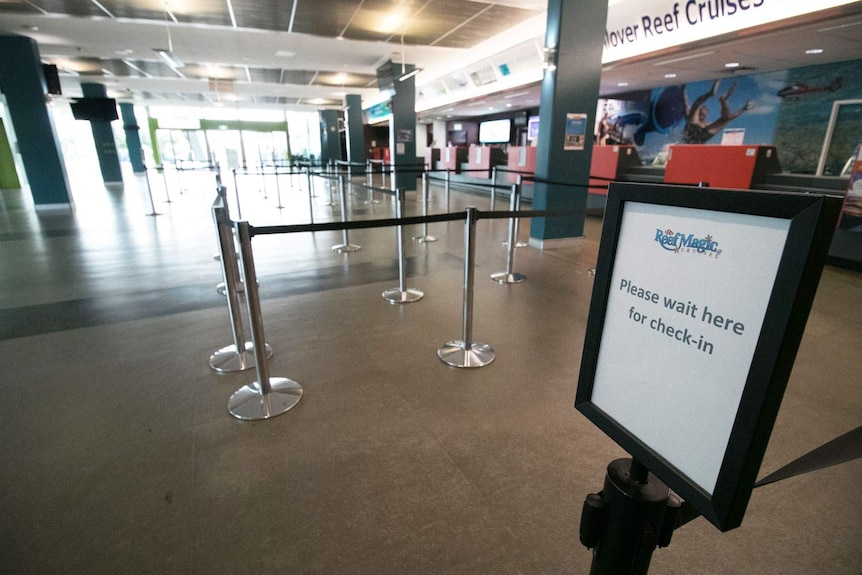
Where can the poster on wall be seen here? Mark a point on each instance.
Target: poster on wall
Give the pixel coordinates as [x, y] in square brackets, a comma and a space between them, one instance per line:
[675, 368]
[576, 131]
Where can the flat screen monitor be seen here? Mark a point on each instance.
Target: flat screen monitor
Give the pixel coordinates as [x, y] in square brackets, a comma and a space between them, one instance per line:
[533, 128]
[495, 131]
[95, 109]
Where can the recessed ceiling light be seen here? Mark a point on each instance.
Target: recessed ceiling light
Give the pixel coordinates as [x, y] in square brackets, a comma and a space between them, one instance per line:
[732, 65]
[670, 75]
[814, 51]
[623, 84]
[285, 53]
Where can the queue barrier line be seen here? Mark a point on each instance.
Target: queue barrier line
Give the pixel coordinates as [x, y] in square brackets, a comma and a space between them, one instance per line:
[269, 396]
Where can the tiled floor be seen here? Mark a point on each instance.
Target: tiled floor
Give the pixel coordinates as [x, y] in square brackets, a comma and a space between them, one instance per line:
[119, 455]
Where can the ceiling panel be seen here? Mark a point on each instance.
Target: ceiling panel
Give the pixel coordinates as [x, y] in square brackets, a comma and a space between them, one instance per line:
[487, 23]
[264, 14]
[439, 18]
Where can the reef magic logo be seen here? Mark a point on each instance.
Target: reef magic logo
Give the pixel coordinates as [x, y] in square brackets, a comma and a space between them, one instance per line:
[679, 242]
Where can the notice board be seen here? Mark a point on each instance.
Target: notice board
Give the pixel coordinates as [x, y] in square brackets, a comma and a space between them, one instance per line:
[699, 305]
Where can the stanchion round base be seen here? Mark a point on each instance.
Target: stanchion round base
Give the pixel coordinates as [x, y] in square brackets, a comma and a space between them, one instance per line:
[344, 248]
[508, 278]
[154, 214]
[250, 404]
[227, 359]
[395, 295]
[456, 354]
[424, 239]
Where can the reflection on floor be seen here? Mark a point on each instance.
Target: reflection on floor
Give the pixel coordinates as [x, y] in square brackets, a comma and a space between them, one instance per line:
[119, 455]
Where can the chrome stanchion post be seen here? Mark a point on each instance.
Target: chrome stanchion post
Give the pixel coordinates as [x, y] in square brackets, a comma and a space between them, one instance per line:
[236, 195]
[493, 188]
[424, 238]
[268, 396]
[518, 209]
[466, 352]
[401, 294]
[369, 176]
[278, 189]
[310, 197]
[508, 276]
[238, 356]
[447, 189]
[150, 193]
[165, 180]
[346, 246]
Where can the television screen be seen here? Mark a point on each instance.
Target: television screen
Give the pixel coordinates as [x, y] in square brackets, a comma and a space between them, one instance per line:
[52, 79]
[495, 131]
[95, 109]
[533, 128]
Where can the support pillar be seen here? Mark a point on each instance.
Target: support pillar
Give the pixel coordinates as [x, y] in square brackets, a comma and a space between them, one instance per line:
[330, 139]
[103, 137]
[133, 137]
[24, 88]
[355, 129]
[570, 90]
[402, 130]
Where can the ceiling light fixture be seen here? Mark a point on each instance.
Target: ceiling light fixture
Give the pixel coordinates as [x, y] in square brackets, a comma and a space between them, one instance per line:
[169, 58]
[684, 58]
[732, 65]
[814, 51]
[409, 74]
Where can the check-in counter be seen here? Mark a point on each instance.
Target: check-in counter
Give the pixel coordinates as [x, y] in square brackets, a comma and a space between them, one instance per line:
[481, 158]
[432, 156]
[739, 167]
[608, 163]
[521, 159]
[451, 158]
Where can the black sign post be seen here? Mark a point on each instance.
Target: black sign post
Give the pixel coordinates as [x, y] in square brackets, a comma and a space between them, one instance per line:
[699, 305]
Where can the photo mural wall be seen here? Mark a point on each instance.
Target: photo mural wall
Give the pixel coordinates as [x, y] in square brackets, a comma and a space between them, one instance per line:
[789, 109]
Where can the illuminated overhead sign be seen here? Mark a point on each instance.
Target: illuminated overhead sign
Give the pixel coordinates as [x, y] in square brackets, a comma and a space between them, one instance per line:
[636, 27]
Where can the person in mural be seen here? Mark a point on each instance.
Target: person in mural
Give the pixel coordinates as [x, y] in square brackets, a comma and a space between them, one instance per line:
[698, 129]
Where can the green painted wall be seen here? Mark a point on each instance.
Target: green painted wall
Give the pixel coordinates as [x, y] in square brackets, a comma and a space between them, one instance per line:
[8, 173]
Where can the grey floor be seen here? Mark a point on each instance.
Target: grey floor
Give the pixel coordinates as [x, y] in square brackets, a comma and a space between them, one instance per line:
[119, 455]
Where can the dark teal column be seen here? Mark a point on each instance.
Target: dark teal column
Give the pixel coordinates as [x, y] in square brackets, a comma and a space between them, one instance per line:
[402, 132]
[355, 129]
[330, 139]
[133, 137]
[103, 136]
[569, 91]
[23, 84]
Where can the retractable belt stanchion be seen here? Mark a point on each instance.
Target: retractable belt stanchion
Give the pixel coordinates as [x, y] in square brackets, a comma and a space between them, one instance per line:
[150, 193]
[308, 180]
[310, 196]
[401, 294]
[466, 352]
[517, 208]
[165, 180]
[346, 246]
[236, 195]
[369, 176]
[624, 523]
[493, 187]
[424, 238]
[278, 190]
[447, 189]
[268, 396]
[240, 355]
[508, 276]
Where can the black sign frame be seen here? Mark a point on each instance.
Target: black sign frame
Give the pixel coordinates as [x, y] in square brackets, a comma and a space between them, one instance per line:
[812, 220]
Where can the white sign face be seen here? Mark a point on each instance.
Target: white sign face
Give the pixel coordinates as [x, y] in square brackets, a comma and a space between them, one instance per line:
[636, 27]
[687, 298]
